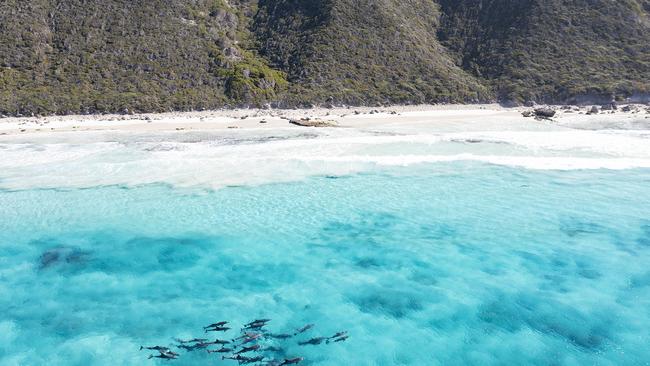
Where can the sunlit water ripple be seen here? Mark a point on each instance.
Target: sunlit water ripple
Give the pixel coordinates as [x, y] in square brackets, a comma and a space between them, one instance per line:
[435, 263]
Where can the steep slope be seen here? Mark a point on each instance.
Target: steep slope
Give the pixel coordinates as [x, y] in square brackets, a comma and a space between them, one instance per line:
[89, 56]
[552, 50]
[363, 52]
[79, 56]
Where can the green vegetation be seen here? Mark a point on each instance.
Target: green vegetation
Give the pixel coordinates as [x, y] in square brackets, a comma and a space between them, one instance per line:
[552, 50]
[91, 56]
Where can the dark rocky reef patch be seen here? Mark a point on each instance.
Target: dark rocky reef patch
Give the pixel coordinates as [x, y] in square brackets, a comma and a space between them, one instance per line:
[63, 256]
[511, 313]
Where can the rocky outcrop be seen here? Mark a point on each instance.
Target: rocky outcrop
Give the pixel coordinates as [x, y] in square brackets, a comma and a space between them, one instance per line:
[544, 112]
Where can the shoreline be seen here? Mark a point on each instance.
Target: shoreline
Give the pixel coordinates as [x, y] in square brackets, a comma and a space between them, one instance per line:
[232, 119]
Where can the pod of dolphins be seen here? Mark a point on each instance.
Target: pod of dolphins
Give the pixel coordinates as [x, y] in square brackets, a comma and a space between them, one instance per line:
[247, 348]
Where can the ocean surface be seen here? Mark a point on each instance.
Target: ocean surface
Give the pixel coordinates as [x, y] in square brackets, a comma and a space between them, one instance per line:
[502, 247]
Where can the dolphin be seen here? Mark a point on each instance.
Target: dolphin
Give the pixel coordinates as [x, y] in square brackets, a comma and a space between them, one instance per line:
[248, 349]
[195, 340]
[239, 358]
[202, 345]
[254, 326]
[253, 359]
[292, 361]
[303, 329]
[156, 348]
[220, 350]
[216, 325]
[340, 339]
[199, 345]
[245, 335]
[252, 338]
[280, 336]
[218, 329]
[218, 341]
[164, 356]
[313, 341]
[186, 347]
[339, 334]
[258, 321]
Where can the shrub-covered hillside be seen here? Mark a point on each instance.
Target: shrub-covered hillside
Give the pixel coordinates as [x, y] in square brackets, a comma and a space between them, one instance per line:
[90, 56]
[552, 50]
[79, 56]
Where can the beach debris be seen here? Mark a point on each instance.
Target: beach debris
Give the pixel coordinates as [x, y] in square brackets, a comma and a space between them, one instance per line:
[306, 122]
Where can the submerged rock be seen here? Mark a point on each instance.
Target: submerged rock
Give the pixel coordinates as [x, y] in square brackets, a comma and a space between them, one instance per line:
[61, 255]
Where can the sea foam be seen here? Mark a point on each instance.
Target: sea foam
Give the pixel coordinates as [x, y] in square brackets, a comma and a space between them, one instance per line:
[220, 159]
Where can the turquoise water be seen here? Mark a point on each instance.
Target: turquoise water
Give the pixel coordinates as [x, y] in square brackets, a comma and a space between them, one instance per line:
[460, 263]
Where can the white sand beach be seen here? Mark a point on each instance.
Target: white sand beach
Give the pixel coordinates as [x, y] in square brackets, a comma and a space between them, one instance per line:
[491, 116]
[215, 149]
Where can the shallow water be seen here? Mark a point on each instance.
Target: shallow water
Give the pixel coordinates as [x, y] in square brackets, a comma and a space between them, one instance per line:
[431, 245]
[458, 263]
